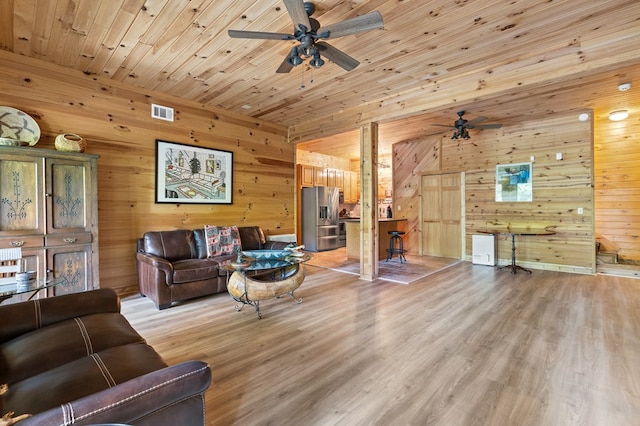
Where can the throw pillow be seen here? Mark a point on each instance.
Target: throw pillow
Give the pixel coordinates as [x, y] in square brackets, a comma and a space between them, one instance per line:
[212, 234]
[222, 240]
[229, 240]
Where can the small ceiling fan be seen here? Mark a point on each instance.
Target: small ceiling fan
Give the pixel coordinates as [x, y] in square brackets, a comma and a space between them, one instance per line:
[307, 31]
[461, 126]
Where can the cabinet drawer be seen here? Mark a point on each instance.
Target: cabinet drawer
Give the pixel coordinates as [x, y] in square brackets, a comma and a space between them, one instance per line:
[22, 241]
[67, 239]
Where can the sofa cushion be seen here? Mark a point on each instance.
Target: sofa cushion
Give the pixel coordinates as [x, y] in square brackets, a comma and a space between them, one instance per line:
[81, 377]
[222, 240]
[171, 245]
[62, 343]
[252, 237]
[185, 271]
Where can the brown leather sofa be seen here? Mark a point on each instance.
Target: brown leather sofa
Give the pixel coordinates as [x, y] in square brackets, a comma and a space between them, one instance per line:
[173, 265]
[74, 359]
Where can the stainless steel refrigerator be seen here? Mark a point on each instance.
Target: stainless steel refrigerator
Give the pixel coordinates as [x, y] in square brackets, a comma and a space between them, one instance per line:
[320, 218]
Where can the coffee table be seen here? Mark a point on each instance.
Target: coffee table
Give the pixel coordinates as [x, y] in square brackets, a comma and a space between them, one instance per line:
[250, 280]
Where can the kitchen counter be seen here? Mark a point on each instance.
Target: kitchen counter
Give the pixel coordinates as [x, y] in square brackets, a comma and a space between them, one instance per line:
[384, 225]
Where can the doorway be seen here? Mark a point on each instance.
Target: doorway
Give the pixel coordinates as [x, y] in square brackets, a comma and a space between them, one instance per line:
[441, 210]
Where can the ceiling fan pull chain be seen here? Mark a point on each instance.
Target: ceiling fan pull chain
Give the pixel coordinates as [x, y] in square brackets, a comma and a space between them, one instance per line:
[302, 86]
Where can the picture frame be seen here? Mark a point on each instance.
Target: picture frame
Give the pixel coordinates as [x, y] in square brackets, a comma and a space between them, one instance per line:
[514, 182]
[187, 174]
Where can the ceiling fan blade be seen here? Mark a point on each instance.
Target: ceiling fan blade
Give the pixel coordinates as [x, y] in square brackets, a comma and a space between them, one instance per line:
[445, 125]
[259, 34]
[366, 22]
[476, 120]
[487, 126]
[337, 56]
[284, 67]
[298, 13]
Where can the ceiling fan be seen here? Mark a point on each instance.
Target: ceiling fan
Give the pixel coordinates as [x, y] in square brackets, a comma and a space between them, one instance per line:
[307, 31]
[461, 126]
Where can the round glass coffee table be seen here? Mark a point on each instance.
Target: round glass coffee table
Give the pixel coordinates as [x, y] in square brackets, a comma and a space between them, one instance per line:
[253, 279]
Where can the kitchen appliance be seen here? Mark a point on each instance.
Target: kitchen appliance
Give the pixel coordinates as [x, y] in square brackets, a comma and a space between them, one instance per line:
[320, 218]
[342, 234]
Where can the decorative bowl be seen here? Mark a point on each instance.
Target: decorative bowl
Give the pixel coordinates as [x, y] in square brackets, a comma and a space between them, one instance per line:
[266, 254]
[18, 125]
[70, 142]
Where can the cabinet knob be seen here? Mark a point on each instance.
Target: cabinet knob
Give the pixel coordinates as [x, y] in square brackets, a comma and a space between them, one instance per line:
[17, 243]
[47, 194]
[69, 240]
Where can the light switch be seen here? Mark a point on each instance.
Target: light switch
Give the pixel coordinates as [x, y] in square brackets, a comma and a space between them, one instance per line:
[580, 210]
[558, 156]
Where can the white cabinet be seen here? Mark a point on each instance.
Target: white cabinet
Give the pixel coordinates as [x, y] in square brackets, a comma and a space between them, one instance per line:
[49, 207]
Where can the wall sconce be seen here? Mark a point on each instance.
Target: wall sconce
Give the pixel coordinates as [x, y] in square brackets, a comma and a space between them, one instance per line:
[618, 115]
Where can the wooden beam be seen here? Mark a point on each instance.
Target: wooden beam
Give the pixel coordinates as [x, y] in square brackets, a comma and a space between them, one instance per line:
[369, 201]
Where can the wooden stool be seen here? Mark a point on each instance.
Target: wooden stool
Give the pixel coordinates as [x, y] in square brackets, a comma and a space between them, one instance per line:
[396, 246]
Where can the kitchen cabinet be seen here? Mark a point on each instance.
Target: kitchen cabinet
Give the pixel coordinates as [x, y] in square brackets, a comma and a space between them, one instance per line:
[339, 179]
[306, 175]
[351, 189]
[346, 181]
[331, 177]
[320, 178]
[49, 208]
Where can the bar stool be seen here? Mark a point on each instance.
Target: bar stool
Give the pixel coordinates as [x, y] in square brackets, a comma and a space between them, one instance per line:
[396, 245]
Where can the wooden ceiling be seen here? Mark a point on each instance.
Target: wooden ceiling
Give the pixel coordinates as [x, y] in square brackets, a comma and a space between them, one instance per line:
[503, 60]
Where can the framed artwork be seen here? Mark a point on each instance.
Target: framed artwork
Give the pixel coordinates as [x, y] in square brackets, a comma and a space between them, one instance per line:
[514, 182]
[192, 174]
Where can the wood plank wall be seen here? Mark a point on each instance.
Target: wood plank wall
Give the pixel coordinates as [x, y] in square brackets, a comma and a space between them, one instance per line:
[617, 187]
[115, 120]
[559, 187]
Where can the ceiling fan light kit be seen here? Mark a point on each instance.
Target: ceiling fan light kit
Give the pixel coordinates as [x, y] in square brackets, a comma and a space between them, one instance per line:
[307, 32]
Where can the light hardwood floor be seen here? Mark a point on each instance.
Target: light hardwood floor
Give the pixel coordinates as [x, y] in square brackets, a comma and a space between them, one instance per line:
[467, 346]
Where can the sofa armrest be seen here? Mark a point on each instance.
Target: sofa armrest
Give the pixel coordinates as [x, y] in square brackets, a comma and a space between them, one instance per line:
[276, 245]
[23, 317]
[156, 264]
[172, 395]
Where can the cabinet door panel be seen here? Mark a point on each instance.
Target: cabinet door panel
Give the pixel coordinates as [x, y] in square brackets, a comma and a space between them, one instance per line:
[68, 198]
[73, 264]
[21, 208]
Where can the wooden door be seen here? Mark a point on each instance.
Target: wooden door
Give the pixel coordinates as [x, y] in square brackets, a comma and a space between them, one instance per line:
[441, 215]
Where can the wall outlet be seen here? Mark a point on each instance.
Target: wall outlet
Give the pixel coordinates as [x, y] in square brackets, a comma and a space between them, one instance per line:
[558, 156]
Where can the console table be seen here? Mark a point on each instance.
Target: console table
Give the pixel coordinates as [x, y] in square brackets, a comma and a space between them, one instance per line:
[516, 232]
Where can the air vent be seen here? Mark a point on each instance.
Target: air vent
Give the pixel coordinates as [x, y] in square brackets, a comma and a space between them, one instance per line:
[161, 112]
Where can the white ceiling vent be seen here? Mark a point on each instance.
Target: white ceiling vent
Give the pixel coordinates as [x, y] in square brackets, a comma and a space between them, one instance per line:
[161, 112]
